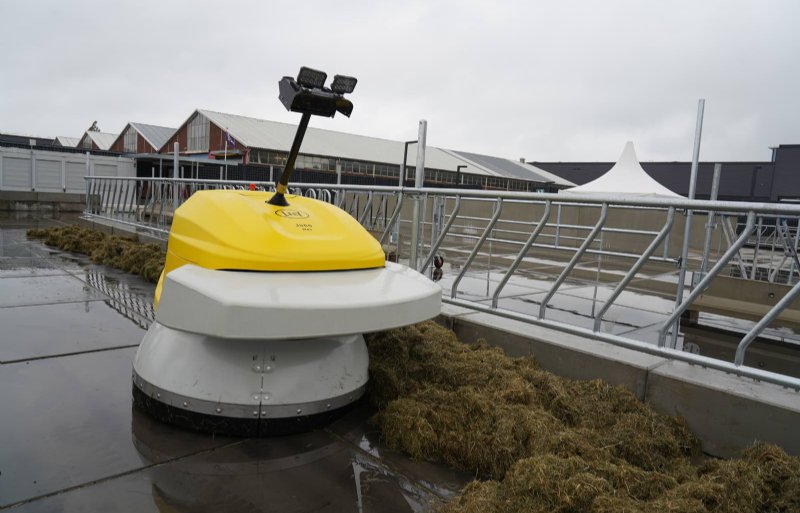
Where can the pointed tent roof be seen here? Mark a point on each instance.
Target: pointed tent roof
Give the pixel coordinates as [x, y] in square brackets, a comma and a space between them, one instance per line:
[626, 177]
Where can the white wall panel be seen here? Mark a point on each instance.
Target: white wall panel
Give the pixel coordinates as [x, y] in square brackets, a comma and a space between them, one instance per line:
[75, 173]
[56, 170]
[48, 175]
[105, 169]
[17, 173]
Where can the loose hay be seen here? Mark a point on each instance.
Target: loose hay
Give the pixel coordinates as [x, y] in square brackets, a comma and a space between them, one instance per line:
[549, 444]
[540, 442]
[126, 253]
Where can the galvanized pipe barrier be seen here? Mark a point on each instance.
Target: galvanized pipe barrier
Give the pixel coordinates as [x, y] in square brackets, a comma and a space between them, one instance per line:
[497, 210]
[729, 235]
[524, 251]
[764, 322]
[706, 281]
[442, 235]
[635, 268]
[575, 258]
[367, 208]
[393, 219]
[146, 204]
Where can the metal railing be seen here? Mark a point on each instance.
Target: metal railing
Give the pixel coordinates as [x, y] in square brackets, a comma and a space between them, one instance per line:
[519, 255]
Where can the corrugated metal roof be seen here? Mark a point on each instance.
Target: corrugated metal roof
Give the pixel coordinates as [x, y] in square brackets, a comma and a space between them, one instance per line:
[273, 135]
[513, 169]
[70, 142]
[155, 135]
[103, 140]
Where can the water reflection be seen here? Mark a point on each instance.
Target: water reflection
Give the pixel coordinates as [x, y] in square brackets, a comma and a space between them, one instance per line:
[123, 298]
[304, 472]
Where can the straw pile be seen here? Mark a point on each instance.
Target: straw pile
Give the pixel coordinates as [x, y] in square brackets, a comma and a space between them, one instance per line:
[544, 443]
[126, 253]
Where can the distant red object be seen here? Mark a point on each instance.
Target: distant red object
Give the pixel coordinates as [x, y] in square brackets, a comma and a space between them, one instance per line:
[252, 186]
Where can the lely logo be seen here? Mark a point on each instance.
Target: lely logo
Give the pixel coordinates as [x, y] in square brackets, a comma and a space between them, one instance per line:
[292, 214]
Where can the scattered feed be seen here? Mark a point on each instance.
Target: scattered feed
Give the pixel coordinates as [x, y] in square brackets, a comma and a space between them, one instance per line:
[126, 253]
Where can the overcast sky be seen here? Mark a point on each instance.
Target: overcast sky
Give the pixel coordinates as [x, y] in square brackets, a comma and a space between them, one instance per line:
[558, 80]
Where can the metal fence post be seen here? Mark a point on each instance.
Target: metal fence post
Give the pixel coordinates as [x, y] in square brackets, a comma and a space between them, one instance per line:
[418, 184]
[710, 224]
[175, 164]
[687, 229]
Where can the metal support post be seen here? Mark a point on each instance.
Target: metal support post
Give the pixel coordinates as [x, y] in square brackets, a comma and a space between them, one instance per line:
[710, 224]
[687, 230]
[418, 184]
[33, 170]
[338, 180]
[175, 164]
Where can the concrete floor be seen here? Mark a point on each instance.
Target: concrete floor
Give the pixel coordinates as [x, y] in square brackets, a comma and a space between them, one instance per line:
[71, 440]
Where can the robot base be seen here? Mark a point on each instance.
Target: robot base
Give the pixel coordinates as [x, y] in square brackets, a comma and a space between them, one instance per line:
[231, 426]
[247, 387]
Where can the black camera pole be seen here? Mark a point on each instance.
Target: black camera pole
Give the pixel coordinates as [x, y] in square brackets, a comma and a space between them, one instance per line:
[282, 186]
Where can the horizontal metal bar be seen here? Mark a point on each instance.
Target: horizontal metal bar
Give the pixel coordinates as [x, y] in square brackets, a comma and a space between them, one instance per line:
[563, 197]
[158, 231]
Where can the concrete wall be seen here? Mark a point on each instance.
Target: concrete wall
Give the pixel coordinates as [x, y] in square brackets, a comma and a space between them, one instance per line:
[726, 413]
[54, 171]
[29, 201]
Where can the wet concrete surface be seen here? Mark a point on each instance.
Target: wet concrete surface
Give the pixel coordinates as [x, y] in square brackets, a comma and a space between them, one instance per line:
[71, 440]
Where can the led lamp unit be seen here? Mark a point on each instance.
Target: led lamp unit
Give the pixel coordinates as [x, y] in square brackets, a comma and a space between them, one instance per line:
[308, 96]
[343, 85]
[311, 78]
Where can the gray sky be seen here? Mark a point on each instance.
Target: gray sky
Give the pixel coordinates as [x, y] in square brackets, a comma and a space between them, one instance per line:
[558, 80]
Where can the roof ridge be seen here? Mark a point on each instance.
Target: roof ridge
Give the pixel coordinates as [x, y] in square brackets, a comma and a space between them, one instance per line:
[295, 125]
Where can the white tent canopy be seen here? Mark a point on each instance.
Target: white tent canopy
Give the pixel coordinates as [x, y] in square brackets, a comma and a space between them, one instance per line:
[626, 177]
